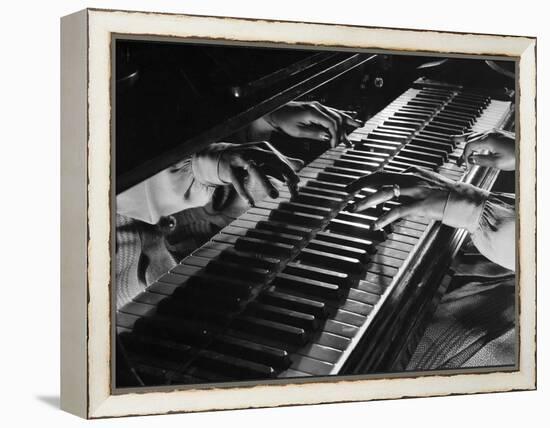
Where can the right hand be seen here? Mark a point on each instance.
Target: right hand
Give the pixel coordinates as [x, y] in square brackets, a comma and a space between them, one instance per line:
[257, 161]
[499, 147]
[315, 121]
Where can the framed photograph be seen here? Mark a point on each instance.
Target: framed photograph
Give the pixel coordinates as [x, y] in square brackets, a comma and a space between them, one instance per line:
[264, 213]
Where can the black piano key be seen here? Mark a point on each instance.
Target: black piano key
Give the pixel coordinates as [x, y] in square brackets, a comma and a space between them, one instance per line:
[441, 154]
[245, 349]
[302, 304]
[250, 259]
[260, 246]
[271, 329]
[283, 315]
[338, 178]
[237, 270]
[298, 218]
[308, 287]
[317, 273]
[154, 347]
[330, 260]
[179, 275]
[233, 366]
[288, 229]
[214, 307]
[411, 153]
[220, 283]
[149, 298]
[190, 333]
[268, 235]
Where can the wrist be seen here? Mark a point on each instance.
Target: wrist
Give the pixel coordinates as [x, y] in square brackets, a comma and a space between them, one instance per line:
[206, 164]
[260, 129]
[464, 206]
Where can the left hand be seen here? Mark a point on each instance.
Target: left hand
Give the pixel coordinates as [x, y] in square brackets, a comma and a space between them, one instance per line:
[493, 148]
[424, 194]
[313, 120]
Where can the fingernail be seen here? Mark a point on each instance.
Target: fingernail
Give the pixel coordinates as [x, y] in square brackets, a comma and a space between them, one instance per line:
[376, 226]
[274, 194]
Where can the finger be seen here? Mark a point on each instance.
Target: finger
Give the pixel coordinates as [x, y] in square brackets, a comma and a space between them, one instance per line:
[414, 209]
[375, 179]
[346, 141]
[315, 132]
[238, 183]
[337, 118]
[347, 119]
[459, 138]
[490, 159]
[381, 196]
[316, 116]
[255, 172]
[470, 148]
[280, 164]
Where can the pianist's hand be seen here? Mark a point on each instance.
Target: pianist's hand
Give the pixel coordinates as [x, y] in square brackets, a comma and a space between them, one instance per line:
[421, 194]
[240, 163]
[313, 120]
[498, 147]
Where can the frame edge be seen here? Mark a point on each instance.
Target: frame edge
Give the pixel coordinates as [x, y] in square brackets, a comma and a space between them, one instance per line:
[74, 213]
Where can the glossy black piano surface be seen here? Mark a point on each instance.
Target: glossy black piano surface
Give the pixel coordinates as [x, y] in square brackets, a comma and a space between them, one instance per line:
[295, 286]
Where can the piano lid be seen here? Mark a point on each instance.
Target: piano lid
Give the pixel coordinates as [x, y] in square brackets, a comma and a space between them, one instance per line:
[172, 99]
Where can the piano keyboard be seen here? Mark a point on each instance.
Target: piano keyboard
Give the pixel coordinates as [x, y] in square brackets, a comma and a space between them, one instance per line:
[290, 287]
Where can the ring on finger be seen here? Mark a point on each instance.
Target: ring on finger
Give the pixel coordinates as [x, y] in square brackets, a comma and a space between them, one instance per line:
[396, 191]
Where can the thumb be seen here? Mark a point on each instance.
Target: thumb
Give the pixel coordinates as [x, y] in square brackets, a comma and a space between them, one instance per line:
[313, 133]
[483, 160]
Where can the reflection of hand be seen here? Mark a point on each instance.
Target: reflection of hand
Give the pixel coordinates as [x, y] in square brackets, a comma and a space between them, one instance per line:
[313, 120]
[422, 194]
[257, 161]
[495, 148]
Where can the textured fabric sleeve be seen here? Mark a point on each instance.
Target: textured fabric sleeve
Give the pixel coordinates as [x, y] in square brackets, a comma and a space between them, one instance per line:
[494, 235]
[489, 217]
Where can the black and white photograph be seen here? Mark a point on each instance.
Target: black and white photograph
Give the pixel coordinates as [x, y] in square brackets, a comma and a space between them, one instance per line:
[294, 213]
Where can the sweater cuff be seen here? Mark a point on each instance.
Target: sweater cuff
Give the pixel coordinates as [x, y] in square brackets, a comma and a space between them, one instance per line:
[206, 164]
[465, 205]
